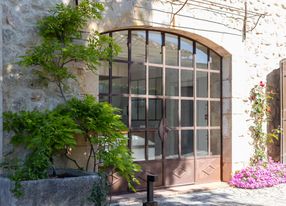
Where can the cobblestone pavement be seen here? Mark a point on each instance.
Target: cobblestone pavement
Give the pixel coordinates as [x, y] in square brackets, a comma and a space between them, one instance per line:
[274, 196]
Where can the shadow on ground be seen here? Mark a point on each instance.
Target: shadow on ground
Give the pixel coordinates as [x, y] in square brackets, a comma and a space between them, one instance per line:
[205, 198]
[197, 197]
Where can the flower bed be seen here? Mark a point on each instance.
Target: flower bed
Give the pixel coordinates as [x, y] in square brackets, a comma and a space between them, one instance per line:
[265, 174]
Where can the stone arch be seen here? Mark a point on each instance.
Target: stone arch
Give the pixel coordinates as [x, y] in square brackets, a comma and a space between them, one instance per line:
[226, 93]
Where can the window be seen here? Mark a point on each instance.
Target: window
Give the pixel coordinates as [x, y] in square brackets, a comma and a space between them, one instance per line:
[162, 77]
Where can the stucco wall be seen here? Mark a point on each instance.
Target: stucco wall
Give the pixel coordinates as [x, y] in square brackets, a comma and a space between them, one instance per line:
[245, 62]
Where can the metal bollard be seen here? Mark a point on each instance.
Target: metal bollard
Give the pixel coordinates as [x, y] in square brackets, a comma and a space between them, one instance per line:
[150, 191]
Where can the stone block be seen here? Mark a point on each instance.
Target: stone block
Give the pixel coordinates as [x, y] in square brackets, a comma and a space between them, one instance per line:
[50, 192]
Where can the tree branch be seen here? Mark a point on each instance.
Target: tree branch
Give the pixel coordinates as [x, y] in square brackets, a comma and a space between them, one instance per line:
[71, 159]
[184, 4]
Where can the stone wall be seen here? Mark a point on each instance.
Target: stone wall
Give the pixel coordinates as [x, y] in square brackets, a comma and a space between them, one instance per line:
[50, 192]
[246, 62]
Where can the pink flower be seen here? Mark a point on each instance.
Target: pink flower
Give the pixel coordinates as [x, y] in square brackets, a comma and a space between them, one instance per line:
[264, 174]
[261, 83]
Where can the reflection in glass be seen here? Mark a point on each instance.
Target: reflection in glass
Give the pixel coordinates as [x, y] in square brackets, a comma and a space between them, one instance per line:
[187, 113]
[138, 39]
[121, 38]
[138, 113]
[154, 146]
[215, 139]
[215, 61]
[119, 78]
[187, 84]
[215, 85]
[155, 81]
[103, 98]
[171, 45]
[155, 47]
[215, 113]
[186, 53]
[138, 79]
[172, 82]
[172, 145]
[103, 73]
[201, 56]
[172, 112]
[138, 145]
[202, 84]
[202, 113]
[122, 104]
[155, 112]
[187, 143]
[202, 142]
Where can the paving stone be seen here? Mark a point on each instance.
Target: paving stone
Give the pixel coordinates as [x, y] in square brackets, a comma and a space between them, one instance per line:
[227, 196]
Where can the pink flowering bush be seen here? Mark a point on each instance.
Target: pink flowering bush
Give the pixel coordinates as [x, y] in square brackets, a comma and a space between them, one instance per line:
[263, 174]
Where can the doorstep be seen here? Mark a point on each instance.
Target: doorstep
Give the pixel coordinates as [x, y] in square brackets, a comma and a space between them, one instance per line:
[139, 197]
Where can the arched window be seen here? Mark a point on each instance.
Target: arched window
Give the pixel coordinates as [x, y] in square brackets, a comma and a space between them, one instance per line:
[168, 88]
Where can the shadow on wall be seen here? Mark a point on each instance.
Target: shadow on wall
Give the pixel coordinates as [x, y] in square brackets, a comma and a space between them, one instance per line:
[273, 82]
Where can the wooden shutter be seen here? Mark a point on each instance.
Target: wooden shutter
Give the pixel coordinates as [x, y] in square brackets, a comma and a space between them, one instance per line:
[283, 108]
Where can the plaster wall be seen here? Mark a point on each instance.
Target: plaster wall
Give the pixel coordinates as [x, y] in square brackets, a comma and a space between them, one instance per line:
[245, 63]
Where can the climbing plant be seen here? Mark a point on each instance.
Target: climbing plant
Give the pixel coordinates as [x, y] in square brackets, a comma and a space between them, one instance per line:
[63, 42]
[260, 111]
[46, 133]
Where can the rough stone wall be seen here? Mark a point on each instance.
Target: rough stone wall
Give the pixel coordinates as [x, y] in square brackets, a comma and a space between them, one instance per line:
[21, 90]
[245, 62]
[251, 60]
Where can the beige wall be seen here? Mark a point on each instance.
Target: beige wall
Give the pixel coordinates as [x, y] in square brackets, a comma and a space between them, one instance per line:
[245, 62]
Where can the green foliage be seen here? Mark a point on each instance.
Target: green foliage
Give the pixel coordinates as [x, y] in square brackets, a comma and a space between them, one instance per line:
[260, 112]
[63, 42]
[100, 190]
[44, 134]
[103, 128]
[37, 130]
[47, 133]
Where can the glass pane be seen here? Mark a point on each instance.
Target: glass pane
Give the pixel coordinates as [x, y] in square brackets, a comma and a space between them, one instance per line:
[202, 84]
[215, 61]
[103, 98]
[172, 112]
[155, 81]
[154, 146]
[187, 84]
[119, 78]
[215, 85]
[138, 39]
[171, 45]
[202, 113]
[155, 47]
[215, 113]
[215, 139]
[138, 79]
[172, 82]
[187, 113]
[202, 142]
[155, 112]
[187, 143]
[122, 104]
[121, 38]
[138, 113]
[103, 73]
[201, 56]
[172, 145]
[186, 53]
[138, 145]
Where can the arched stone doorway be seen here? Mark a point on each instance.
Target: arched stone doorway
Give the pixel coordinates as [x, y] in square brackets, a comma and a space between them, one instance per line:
[169, 89]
